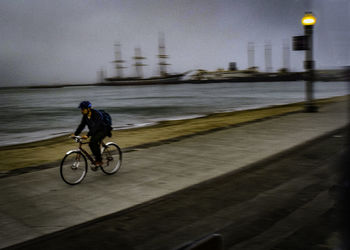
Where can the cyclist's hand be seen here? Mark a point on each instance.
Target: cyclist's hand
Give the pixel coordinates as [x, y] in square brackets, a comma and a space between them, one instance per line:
[84, 137]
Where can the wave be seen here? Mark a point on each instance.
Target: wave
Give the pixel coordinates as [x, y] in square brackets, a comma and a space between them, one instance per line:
[46, 113]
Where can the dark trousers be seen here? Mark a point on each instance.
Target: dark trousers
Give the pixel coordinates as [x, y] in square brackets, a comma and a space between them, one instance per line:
[95, 143]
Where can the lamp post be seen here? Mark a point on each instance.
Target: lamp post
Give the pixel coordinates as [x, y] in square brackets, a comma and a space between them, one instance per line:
[308, 22]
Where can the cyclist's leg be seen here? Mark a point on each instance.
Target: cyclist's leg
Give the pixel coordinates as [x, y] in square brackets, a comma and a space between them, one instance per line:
[94, 144]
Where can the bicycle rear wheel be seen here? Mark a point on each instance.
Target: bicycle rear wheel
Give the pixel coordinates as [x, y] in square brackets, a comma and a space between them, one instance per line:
[73, 168]
[111, 158]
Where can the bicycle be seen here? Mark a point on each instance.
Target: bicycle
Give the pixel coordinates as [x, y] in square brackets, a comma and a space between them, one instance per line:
[74, 164]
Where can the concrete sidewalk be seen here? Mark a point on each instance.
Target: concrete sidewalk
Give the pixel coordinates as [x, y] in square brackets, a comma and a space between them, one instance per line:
[39, 203]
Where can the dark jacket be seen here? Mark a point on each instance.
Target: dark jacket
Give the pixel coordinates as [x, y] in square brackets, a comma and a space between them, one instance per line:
[95, 123]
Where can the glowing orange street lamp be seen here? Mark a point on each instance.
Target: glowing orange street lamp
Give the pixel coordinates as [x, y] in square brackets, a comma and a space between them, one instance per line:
[308, 19]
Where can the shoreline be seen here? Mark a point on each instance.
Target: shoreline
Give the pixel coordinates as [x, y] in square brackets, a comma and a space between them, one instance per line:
[115, 129]
[59, 134]
[52, 150]
[132, 127]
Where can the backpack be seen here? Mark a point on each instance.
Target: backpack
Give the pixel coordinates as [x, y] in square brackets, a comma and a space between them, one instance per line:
[107, 120]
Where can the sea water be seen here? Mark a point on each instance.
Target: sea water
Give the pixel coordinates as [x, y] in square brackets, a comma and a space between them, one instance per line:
[31, 114]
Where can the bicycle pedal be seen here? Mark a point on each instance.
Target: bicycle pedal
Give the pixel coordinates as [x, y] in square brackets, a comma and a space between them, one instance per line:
[94, 168]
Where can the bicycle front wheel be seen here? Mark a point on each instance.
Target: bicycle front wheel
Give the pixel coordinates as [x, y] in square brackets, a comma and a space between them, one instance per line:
[111, 158]
[73, 168]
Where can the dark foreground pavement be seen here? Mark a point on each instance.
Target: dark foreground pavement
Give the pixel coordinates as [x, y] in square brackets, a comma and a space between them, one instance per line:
[283, 202]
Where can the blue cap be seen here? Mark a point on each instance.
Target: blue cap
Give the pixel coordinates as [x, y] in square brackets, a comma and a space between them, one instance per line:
[85, 105]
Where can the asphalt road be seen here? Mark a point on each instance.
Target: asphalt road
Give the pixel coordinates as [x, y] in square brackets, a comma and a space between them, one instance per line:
[285, 202]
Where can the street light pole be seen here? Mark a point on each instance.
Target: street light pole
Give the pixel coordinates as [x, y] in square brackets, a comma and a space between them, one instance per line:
[309, 21]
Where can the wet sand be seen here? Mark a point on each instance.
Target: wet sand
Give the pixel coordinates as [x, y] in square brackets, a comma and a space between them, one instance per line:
[51, 151]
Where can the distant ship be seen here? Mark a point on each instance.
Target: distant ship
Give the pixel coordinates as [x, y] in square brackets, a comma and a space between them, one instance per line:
[163, 78]
[169, 79]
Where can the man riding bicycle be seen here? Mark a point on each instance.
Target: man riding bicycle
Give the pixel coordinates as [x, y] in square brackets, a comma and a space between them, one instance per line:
[98, 130]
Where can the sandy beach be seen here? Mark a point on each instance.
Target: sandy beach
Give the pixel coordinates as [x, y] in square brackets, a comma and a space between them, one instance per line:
[51, 151]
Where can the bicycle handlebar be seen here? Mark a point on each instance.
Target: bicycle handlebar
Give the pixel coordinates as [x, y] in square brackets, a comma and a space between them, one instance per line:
[77, 138]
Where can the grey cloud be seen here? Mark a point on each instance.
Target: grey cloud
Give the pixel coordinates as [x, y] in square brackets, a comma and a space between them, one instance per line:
[69, 41]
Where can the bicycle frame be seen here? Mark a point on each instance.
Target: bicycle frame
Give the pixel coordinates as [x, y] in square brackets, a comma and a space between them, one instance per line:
[85, 153]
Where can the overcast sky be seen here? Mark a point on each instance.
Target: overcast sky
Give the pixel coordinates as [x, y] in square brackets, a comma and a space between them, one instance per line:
[65, 41]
